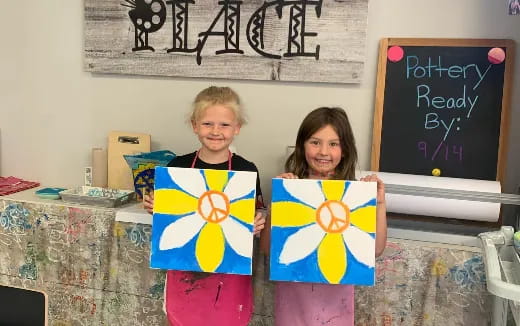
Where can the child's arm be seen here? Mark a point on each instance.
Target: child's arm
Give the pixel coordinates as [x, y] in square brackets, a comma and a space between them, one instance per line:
[381, 221]
[265, 236]
[380, 213]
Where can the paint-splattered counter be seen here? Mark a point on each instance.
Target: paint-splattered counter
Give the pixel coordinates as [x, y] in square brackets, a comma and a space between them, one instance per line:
[95, 271]
[423, 283]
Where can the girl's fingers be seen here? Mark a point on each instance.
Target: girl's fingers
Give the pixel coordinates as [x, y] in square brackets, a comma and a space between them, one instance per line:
[371, 177]
[259, 219]
[258, 229]
[148, 202]
[287, 175]
[259, 223]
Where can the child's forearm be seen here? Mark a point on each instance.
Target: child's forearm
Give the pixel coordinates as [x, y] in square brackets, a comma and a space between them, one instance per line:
[380, 228]
[265, 237]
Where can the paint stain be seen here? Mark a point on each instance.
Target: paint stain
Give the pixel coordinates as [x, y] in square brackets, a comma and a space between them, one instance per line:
[194, 277]
[15, 218]
[439, 268]
[470, 274]
[386, 319]
[119, 230]
[156, 291]
[328, 321]
[219, 287]
[138, 235]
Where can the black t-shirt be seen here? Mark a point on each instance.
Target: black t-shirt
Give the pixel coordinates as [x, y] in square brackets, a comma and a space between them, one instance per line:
[238, 163]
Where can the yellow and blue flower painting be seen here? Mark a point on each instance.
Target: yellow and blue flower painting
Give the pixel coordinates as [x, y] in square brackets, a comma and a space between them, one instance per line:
[203, 220]
[323, 231]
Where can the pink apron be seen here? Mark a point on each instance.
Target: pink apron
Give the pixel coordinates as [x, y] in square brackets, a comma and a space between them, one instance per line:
[312, 304]
[197, 299]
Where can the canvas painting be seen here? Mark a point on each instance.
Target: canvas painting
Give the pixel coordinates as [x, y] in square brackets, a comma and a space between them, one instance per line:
[323, 231]
[203, 220]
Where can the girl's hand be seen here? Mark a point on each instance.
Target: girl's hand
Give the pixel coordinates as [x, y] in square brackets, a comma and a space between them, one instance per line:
[259, 222]
[381, 231]
[287, 175]
[148, 202]
[380, 187]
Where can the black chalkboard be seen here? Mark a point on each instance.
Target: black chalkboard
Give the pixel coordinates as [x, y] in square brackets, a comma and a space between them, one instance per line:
[442, 107]
[22, 307]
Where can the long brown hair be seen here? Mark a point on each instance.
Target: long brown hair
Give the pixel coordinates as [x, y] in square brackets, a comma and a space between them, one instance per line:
[314, 121]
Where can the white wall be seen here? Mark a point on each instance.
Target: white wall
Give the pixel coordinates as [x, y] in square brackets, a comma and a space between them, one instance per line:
[53, 113]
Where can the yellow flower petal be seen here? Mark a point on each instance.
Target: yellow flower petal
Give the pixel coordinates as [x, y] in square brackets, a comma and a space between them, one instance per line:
[216, 179]
[332, 257]
[364, 218]
[174, 202]
[209, 249]
[243, 210]
[285, 213]
[333, 189]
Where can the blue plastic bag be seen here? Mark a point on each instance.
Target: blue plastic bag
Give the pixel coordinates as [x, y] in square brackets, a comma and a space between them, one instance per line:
[143, 169]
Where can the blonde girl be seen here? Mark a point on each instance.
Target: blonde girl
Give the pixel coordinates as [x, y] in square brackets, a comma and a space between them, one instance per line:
[195, 298]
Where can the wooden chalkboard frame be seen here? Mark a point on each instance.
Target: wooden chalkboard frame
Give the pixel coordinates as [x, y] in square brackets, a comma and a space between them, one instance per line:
[506, 95]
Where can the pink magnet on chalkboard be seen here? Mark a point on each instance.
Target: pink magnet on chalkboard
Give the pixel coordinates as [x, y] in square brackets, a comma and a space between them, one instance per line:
[395, 53]
[496, 55]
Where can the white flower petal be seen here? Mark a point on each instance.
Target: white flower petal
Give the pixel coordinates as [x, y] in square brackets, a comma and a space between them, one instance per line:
[180, 232]
[190, 180]
[240, 184]
[311, 194]
[301, 244]
[238, 236]
[358, 193]
[361, 245]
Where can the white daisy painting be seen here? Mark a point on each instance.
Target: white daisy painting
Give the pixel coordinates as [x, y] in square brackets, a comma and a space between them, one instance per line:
[323, 231]
[203, 220]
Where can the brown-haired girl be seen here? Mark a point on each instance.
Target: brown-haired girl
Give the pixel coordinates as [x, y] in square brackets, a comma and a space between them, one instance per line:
[325, 149]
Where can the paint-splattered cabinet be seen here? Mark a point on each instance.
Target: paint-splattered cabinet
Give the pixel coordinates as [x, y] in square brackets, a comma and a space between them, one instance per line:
[95, 271]
[421, 283]
[417, 283]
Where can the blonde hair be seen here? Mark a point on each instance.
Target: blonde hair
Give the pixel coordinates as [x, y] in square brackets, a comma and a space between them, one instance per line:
[214, 95]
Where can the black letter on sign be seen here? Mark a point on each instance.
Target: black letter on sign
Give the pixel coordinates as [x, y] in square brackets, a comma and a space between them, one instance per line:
[180, 17]
[231, 11]
[296, 32]
[147, 17]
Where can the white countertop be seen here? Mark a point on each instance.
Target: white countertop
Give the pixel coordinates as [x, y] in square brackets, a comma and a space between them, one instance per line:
[135, 213]
[29, 196]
